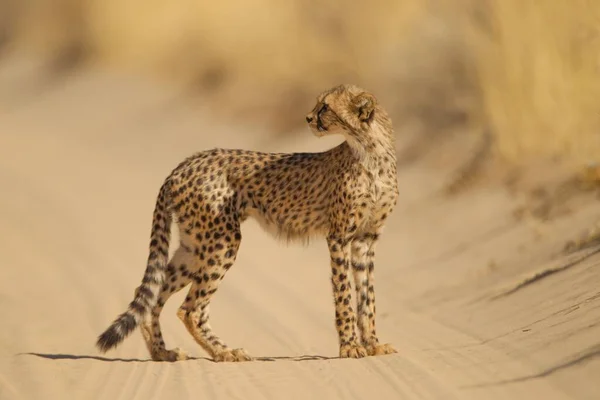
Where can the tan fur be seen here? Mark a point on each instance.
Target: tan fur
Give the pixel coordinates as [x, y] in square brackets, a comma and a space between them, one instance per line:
[344, 194]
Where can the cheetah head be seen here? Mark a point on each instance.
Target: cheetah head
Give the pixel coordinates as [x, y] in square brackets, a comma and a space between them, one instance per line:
[344, 109]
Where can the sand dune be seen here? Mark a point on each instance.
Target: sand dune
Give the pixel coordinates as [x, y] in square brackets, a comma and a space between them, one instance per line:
[479, 305]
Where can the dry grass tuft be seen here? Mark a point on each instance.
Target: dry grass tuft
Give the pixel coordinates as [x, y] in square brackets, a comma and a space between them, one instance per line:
[538, 71]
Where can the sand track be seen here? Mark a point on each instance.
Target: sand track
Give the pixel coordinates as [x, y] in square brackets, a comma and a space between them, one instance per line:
[463, 291]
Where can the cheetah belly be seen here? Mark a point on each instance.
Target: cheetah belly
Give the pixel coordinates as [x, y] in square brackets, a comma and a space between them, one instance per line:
[287, 227]
[265, 223]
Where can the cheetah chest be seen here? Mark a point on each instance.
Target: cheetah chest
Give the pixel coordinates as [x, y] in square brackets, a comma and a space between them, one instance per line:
[378, 199]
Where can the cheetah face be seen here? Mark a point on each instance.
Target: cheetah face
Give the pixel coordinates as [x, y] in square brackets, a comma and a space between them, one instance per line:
[344, 109]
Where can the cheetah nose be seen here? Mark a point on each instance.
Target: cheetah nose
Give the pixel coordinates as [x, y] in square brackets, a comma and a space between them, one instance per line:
[309, 119]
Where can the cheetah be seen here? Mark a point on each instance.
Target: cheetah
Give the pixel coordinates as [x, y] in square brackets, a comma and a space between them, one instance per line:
[344, 195]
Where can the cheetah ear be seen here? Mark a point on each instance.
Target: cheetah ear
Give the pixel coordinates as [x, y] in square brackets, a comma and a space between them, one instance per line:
[364, 105]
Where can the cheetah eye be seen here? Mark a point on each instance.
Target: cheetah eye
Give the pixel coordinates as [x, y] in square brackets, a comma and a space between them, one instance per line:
[324, 108]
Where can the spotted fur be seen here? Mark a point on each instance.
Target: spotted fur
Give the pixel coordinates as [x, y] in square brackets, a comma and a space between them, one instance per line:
[344, 194]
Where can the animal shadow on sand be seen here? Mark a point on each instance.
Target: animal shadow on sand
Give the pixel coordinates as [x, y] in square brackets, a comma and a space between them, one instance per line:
[58, 356]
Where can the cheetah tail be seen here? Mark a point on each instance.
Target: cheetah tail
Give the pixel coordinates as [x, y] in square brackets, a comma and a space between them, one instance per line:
[147, 293]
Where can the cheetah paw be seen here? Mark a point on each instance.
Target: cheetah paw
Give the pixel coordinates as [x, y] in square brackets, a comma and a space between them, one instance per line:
[380, 349]
[352, 351]
[232, 355]
[170, 355]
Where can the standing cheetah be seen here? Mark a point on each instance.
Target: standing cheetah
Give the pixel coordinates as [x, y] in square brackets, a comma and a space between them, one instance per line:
[344, 194]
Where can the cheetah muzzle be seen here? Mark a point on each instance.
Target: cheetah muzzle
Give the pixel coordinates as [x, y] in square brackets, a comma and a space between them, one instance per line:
[344, 194]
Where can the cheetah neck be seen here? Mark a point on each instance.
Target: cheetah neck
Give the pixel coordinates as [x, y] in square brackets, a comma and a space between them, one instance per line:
[376, 146]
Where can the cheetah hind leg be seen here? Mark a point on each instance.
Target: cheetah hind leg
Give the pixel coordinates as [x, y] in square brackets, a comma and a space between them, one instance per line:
[194, 312]
[205, 337]
[177, 278]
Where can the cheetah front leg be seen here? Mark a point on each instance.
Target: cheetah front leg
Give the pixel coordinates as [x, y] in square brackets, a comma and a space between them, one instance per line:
[345, 318]
[363, 269]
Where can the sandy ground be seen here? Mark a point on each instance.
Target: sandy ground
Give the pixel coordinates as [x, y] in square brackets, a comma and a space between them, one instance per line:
[480, 305]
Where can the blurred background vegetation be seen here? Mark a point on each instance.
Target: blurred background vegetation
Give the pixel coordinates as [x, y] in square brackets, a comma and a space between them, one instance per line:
[524, 70]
